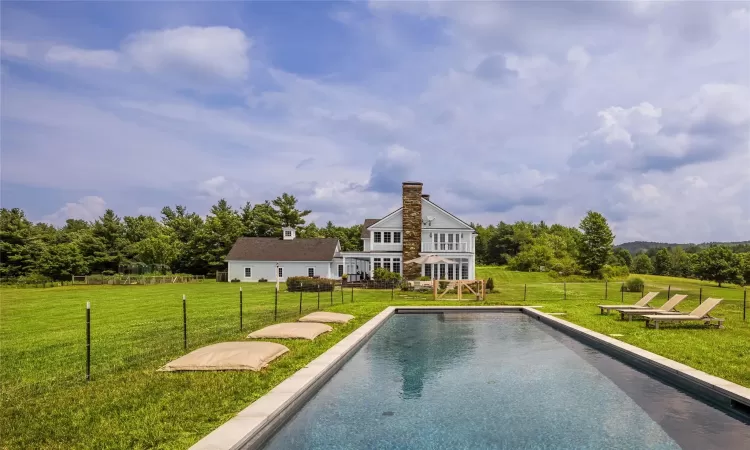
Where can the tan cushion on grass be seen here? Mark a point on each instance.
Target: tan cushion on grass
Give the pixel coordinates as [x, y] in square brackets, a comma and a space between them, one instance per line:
[228, 356]
[330, 317]
[297, 330]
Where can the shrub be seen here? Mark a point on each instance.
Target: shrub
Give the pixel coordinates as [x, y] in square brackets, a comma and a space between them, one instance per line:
[425, 278]
[610, 273]
[235, 280]
[308, 284]
[633, 285]
[381, 274]
[406, 286]
[490, 285]
[262, 280]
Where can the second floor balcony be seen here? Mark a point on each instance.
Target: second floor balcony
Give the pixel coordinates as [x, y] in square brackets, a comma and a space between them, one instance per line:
[446, 247]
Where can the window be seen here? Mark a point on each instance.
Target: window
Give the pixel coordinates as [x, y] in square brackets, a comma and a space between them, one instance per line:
[248, 272]
[464, 271]
[376, 263]
[450, 242]
[281, 272]
[341, 270]
[387, 264]
[387, 237]
[376, 237]
[311, 271]
[287, 233]
[450, 271]
[396, 265]
[442, 241]
[396, 237]
[428, 270]
[442, 271]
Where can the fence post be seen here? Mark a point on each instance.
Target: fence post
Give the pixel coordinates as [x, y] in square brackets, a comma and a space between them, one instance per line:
[342, 292]
[669, 292]
[332, 295]
[606, 289]
[240, 309]
[300, 301]
[622, 293]
[744, 305]
[524, 292]
[275, 303]
[88, 341]
[184, 321]
[352, 294]
[643, 290]
[392, 285]
[318, 296]
[565, 290]
[700, 296]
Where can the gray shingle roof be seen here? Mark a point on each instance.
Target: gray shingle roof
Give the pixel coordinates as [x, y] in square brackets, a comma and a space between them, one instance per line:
[366, 234]
[276, 249]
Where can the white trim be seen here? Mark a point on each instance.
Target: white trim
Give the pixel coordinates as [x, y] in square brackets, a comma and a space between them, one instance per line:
[244, 271]
[453, 216]
[313, 271]
[280, 272]
[386, 217]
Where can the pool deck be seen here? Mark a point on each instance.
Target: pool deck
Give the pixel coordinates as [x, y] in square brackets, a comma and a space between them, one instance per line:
[260, 420]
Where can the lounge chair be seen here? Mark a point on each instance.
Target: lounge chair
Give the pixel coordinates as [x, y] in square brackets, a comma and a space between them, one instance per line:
[666, 308]
[701, 313]
[640, 304]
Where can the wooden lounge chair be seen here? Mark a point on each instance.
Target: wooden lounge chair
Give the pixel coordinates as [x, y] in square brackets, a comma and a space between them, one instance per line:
[701, 313]
[666, 308]
[640, 304]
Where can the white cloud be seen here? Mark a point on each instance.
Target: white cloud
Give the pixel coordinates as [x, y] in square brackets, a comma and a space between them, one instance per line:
[220, 187]
[14, 49]
[87, 208]
[97, 59]
[220, 51]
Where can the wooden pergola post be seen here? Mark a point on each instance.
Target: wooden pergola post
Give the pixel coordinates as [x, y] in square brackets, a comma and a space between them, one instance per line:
[434, 289]
[460, 288]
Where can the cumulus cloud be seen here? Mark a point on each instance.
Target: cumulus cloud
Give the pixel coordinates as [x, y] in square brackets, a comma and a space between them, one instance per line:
[14, 49]
[87, 208]
[221, 51]
[98, 59]
[220, 187]
[710, 125]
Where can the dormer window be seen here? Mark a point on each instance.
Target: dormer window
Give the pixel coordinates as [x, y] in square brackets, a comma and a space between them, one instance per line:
[288, 233]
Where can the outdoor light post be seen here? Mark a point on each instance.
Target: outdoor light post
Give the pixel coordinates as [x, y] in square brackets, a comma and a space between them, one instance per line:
[184, 321]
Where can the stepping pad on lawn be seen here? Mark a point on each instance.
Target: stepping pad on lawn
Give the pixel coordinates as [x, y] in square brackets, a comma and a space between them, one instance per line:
[295, 330]
[228, 356]
[327, 317]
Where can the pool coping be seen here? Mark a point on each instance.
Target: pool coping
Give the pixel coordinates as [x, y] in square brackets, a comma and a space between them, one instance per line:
[255, 424]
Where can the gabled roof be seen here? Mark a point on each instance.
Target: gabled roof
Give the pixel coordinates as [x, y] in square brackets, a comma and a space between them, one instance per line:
[277, 249]
[367, 225]
[366, 234]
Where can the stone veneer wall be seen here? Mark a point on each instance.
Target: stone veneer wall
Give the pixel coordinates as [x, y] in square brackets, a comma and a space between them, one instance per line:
[412, 228]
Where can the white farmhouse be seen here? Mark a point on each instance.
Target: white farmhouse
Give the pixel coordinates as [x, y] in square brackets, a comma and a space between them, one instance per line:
[418, 228]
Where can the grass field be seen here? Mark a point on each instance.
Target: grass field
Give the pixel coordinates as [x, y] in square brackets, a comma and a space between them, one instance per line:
[46, 402]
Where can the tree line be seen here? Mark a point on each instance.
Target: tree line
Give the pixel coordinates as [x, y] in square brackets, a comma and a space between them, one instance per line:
[181, 241]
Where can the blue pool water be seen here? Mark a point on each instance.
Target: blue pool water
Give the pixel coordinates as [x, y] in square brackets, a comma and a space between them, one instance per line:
[500, 381]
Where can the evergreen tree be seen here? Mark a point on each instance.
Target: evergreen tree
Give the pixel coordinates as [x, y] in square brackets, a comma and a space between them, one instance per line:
[17, 255]
[595, 244]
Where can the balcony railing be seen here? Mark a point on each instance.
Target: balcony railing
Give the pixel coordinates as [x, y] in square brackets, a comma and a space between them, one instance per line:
[445, 247]
[378, 246]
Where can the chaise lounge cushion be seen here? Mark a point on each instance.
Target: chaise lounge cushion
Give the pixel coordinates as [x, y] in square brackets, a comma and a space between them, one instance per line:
[228, 356]
[295, 330]
[327, 317]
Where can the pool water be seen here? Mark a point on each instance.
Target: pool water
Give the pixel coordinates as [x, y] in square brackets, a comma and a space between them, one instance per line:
[500, 381]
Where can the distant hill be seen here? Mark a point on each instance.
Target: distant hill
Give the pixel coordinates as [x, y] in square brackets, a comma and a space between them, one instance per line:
[638, 246]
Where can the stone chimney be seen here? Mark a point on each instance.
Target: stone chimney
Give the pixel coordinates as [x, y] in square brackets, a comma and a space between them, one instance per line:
[412, 227]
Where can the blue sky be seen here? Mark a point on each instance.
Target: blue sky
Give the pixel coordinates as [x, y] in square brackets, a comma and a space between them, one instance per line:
[506, 111]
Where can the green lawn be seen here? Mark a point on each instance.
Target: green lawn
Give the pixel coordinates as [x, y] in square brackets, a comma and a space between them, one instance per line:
[135, 329]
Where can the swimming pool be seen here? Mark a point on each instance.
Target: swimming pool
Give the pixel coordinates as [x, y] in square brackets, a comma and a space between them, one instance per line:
[497, 380]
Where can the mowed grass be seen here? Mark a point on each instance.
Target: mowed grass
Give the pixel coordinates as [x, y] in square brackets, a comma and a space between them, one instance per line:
[136, 329]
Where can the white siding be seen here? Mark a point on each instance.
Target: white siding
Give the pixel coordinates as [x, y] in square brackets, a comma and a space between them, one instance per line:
[393, 222]
[441, 219]
[267, 269]
[366, 245]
